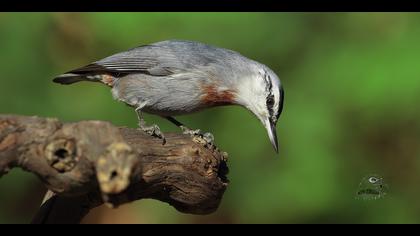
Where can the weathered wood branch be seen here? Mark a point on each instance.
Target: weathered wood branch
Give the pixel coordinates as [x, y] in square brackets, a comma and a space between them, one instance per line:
[89, 163]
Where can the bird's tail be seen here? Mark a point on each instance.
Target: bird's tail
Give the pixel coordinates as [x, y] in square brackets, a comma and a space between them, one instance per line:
[70, 78]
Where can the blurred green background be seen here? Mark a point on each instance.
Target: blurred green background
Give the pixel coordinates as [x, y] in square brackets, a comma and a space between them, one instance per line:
[352, 93]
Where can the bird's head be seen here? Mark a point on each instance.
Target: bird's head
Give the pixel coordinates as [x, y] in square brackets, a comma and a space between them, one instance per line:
[263, 94]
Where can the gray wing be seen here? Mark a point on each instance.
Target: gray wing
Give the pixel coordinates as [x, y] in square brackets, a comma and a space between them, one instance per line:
[147, 59]
[163, 59]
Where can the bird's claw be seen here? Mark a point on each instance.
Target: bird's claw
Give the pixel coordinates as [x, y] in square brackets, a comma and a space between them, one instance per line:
[209, 137]
[192, 132]
[205, 139]
[154, 131]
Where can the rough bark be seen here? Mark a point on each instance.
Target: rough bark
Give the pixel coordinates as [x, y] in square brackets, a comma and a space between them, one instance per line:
[89, 163]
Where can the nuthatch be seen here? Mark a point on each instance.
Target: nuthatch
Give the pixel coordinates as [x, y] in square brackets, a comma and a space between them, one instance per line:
[177, 77]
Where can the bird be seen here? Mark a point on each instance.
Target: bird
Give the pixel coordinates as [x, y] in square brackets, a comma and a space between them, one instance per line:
[178, 77]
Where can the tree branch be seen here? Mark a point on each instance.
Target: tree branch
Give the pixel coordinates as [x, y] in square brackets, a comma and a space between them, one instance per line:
[89, 163]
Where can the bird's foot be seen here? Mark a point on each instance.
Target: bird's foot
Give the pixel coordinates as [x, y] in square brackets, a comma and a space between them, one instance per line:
[153, 131]
[205, 139]
[192, 132]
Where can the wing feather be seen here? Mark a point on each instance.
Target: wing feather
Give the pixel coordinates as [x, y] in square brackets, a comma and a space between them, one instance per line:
[163, 59]
[149, 59]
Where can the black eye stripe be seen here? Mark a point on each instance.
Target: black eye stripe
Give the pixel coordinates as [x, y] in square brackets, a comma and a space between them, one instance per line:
[281, 92]
[268, 81]
[270, 97]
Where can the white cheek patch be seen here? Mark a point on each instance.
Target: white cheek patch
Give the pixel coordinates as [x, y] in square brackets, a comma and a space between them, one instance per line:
[251, 94]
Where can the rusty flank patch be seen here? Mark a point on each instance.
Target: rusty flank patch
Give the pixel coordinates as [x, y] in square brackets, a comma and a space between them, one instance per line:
[212, 96]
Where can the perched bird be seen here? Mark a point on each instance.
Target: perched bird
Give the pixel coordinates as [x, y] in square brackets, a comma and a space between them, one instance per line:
[177, 77]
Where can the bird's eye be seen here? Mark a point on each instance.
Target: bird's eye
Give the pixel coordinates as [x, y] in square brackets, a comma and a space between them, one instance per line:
[270, 101]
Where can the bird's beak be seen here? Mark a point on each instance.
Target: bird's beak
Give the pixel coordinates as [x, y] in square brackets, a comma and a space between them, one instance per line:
[272, 134]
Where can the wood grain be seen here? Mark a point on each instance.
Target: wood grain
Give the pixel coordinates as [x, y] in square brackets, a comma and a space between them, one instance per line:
[89, 163]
